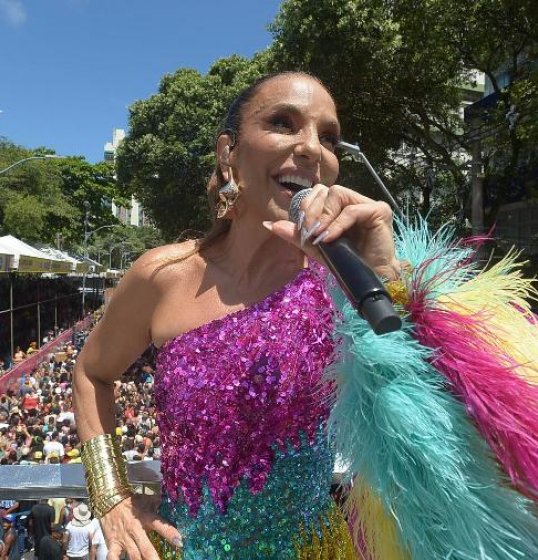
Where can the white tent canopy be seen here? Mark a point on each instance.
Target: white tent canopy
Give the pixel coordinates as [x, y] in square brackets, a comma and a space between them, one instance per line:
[76, 264]
[29, 259]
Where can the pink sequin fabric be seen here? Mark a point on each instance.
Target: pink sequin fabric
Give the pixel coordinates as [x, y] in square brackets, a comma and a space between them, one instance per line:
[231, 392]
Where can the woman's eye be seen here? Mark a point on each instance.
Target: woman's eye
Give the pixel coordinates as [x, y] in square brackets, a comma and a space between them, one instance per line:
[281, 123]
[330, 140]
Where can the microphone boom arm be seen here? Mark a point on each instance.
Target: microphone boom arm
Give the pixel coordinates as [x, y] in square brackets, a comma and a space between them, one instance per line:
[355, 150]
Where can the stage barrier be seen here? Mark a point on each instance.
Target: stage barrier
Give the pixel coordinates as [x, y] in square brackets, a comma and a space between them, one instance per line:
[11, 377]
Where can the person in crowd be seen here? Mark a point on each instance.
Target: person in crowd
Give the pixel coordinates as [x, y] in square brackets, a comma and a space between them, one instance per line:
[54, 446]
[99, 549]
[5, 404]
[66, 411]
[50, 424]
[73, 456]
[57, 504]
[41, 520]
[231, 379]
[67, 512]
[32, 348]
[79, 533]
[8, 541]
[18, 356]
[51, 547]
[8, 506]
[30, 401]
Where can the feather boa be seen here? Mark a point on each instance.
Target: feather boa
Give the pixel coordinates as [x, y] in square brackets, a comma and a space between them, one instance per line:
[415, 410]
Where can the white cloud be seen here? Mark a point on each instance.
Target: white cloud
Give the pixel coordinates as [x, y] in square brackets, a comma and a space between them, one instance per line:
[13, 12]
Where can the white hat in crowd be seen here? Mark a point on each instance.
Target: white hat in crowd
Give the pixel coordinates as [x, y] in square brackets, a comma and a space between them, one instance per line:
[81, 515]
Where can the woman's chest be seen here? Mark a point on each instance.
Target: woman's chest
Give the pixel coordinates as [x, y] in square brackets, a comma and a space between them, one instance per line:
[270, 354]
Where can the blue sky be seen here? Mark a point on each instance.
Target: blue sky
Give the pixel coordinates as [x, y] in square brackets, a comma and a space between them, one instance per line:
[69, 69]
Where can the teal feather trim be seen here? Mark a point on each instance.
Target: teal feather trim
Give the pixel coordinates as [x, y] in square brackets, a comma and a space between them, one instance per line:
[444, 264]
[397, 427]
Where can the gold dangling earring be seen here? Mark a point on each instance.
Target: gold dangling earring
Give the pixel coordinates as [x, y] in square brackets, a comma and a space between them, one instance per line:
[228, 195]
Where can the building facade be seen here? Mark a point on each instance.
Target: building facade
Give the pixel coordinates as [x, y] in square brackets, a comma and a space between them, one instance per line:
[134, 215]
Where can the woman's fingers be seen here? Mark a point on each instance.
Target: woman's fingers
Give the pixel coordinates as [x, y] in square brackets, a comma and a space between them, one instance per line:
[114, 551]
[166, 530]
[126, 527]
[328, 213]
[339, 209]
[134, 554]
[369, 216]
[311, 208]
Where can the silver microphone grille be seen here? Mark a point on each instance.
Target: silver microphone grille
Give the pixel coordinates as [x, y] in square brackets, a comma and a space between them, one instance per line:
[295, 205]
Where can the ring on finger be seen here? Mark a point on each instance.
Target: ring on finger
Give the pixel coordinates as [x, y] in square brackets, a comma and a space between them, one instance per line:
[306, 234]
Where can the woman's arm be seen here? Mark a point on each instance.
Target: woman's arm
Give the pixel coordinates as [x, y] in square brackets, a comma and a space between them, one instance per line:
[121, 335]
[118, 339]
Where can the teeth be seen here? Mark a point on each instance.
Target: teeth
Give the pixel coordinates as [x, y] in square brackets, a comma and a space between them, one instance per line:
[296, 180]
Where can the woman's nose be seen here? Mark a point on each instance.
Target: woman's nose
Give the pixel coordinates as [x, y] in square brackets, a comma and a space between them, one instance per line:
[308, 144]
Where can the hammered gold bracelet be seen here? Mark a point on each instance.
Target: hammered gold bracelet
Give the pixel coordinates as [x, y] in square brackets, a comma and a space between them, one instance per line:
[106, 473]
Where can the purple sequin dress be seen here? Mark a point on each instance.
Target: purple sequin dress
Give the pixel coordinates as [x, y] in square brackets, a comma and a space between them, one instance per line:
[246, 464]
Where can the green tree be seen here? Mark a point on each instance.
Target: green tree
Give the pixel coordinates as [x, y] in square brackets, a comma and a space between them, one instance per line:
[108, 245]
[32, 202]
[96, 183]
[500, 38]
[43, 199]
[167, 157]
[392, 79]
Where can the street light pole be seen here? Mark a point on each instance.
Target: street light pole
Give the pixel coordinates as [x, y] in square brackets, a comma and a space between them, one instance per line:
[87, 235]
[46, 156]
[87, 207]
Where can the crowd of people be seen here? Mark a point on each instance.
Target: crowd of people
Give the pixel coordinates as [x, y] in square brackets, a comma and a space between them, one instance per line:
[37, 426]
[37, 422]
[57, 529]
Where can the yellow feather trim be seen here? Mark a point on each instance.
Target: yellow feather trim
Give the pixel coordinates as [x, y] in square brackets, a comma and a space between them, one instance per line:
[397, 290]
[374, 527]
[501, 294]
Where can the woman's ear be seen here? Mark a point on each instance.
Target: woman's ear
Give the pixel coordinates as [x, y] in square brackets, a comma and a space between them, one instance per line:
[224, 148]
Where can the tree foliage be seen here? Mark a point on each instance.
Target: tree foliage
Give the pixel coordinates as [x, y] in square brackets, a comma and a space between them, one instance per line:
[32, 202]
[167, 157]
[117, 246]
[396, 69]
[388, 68]
[500, 38]
[43, 199]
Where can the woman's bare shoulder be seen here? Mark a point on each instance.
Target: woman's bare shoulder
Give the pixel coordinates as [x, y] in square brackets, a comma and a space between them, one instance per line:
[159, 264]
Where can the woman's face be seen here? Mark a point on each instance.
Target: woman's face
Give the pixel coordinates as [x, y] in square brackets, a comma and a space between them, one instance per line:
[288, 134]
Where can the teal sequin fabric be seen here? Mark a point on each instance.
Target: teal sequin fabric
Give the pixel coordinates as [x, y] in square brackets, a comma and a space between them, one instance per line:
[263, 525]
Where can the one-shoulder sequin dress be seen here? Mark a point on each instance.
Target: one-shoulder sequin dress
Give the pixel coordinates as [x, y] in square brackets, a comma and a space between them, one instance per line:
[246, 463]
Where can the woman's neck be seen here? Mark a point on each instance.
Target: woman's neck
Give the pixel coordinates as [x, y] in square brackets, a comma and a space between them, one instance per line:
[249, 253]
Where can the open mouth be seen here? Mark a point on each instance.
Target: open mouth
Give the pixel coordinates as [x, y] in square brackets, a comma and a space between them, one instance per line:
[294, 183]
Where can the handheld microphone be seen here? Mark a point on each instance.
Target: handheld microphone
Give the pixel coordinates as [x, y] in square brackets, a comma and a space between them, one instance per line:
[358, 281]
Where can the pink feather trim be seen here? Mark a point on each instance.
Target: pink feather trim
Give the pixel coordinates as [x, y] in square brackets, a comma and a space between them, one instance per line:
[504, 406]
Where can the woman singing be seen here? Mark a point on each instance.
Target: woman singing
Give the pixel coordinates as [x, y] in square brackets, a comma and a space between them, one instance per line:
[244, 327]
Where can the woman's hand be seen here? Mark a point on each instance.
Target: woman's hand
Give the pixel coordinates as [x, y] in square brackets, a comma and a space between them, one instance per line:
[126, 525]
[329, 212]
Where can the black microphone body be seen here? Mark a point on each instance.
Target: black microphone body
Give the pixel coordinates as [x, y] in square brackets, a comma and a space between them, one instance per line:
[361, 285]
[358, 281]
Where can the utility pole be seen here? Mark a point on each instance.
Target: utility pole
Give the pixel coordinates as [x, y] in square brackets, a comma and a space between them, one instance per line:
[87, 207]
[477, 189]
